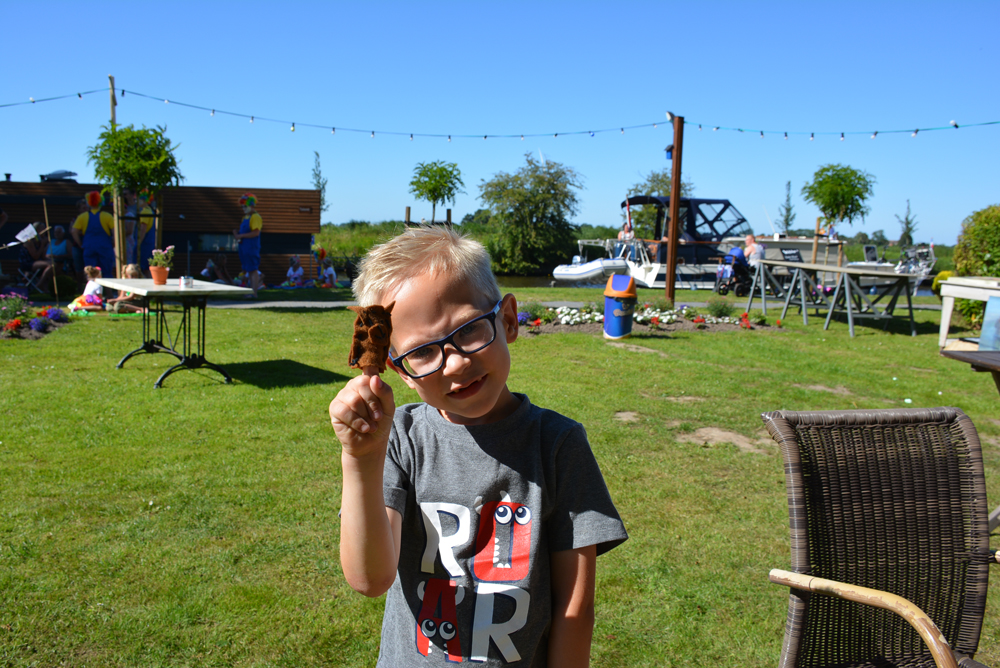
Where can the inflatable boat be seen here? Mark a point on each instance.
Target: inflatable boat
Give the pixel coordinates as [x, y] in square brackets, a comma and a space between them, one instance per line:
[588, 271]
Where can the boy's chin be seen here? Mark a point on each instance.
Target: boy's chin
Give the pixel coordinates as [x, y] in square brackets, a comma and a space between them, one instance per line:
[479, 409]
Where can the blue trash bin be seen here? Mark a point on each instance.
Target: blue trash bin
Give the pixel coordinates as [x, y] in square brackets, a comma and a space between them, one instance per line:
[619, 305]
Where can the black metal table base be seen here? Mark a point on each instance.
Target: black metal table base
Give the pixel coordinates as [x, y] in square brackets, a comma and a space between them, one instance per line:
[155, 329]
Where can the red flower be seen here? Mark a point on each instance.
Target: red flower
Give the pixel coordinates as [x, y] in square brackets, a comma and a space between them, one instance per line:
[778, 323]
[654, 321]
[12, 325]
[698, 319]
[538, 321]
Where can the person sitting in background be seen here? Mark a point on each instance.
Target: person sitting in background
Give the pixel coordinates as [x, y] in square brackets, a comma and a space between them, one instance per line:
[215, 271]
[295, 273]
[754, 251]
[32, 250]
[57, 257]
[126, 302]
[91, 299]
[329, 274]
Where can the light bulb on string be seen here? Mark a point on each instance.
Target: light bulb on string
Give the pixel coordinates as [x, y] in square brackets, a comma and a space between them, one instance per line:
[333, 131]
[699, 127]
[79, 96]
[484, 137]
[591, 133]
[411, 136]
[32, 100]
[875, 134]
[123, 93]
[555, 136]
[373, 134]
[761, 134]
[953, 124]
[786, 135]
[251, 119]
[164, 102]
[623, 130]
[213, 113]
[715, 129]
[293, 127]
[449, 137]
[812, 136]
[915, 132]
[841, 136]
[654, 126]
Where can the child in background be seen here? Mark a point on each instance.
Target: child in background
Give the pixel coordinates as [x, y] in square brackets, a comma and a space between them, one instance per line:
[126, 302]
[91, 299]
[329, 279]
[480, 513]
[295, 273]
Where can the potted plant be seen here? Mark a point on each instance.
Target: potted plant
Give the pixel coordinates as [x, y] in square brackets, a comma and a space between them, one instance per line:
[160, 263]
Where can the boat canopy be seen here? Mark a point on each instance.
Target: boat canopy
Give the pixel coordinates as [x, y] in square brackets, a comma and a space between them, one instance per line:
[702, 219]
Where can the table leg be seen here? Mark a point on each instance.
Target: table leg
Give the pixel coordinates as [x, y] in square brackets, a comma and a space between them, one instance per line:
[836, 299]
[193, 360]
[757, 277]
[802, 296]
[788, 295]
[947, 307]
[850, 311]
[151, 344]
[909, 307]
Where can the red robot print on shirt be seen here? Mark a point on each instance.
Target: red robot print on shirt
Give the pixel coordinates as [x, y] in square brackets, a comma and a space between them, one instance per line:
[503, 543]
[437, 623]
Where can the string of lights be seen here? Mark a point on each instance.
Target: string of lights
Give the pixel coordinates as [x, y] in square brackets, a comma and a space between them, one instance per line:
[952, 125]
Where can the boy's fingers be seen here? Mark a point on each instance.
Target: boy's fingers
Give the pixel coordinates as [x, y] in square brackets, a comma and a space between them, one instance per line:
[371, 400]
[384, 393]
[341, 414]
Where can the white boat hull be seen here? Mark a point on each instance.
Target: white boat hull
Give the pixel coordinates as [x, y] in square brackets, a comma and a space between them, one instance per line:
[592, 270]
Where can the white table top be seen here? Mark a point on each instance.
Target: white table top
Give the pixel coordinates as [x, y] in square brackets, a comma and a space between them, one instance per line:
[829, 268]
[973, 281]
[145, 288]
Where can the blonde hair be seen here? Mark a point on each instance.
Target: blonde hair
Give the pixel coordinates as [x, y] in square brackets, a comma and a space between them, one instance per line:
[92, 272]
[420, 250]
[132, 271]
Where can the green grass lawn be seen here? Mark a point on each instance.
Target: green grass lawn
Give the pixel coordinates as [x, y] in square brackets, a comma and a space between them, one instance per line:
[196, 525]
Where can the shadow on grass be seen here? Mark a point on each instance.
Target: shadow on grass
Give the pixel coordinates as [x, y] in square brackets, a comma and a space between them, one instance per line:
[270, 374]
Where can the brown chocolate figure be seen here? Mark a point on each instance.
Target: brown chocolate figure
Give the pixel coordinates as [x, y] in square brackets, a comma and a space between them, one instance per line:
[370, 345]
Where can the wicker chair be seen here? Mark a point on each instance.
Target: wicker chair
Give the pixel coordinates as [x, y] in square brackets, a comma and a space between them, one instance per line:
[889, 520]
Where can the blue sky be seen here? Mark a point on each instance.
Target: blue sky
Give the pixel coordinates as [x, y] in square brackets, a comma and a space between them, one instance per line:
[526, 67]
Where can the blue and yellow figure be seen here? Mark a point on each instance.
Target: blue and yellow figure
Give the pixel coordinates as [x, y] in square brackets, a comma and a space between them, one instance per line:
[248, 237]
[145, 231]
[93, 229]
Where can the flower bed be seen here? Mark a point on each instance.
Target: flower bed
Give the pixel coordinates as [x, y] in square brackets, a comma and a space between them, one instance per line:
[538, 319]
[20, 320]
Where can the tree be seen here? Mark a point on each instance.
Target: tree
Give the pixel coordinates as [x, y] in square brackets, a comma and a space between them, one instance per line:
[840, 193]
[126, 158]
[530, 213]
[978, 254]
[319, 183]
[437, 181]
[908, 223]
[657, 184]
[878, 238]
[785, 214]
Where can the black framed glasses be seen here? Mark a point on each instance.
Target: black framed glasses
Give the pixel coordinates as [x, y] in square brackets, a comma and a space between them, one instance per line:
[470, 338]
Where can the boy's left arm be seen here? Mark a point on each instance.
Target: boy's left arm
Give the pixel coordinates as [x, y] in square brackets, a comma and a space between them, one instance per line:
[573, 575]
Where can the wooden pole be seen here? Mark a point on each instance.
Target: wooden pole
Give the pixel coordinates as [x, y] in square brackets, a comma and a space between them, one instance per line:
[448, 216]
[55, 273]
[115, 204]
[407, 219]
[674, 226]
[816, 240]
[158, 219]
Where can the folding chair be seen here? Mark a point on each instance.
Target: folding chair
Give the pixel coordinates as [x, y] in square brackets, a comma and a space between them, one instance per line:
[888, 522]
[29, 278]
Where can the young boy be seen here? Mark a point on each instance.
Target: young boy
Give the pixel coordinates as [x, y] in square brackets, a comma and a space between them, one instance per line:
[481, 514]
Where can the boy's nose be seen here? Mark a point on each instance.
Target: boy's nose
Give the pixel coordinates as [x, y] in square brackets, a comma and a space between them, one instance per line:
[454, 360]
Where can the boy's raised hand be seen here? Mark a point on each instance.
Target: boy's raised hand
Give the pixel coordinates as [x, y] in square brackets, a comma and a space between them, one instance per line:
[362, 412]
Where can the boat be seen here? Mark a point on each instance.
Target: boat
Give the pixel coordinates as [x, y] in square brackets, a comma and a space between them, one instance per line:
[580, 271]
[704, 223]
[918, 260]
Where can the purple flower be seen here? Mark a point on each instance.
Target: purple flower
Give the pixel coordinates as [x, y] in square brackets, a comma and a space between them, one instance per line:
[523, 317]
[39, 324]
[55, 315]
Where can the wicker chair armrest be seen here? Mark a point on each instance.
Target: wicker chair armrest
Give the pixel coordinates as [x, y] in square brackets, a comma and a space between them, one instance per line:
[922, 624]
[966, 662]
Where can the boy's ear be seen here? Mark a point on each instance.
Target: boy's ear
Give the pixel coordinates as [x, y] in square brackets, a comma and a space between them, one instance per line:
[508, 310]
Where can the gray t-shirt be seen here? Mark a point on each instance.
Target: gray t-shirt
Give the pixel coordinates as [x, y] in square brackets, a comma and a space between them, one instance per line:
[483, 507]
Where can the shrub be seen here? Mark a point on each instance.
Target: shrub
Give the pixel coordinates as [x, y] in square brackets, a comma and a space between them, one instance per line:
[941, 276]
[758, 318]
[978, 254]
[67, 286]
[720, 307]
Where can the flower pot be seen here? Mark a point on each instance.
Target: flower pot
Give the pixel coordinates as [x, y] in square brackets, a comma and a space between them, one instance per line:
[159, 274]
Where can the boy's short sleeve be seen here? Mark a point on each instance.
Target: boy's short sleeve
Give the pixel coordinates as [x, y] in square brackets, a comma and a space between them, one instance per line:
[583, 513]
[395, 473]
